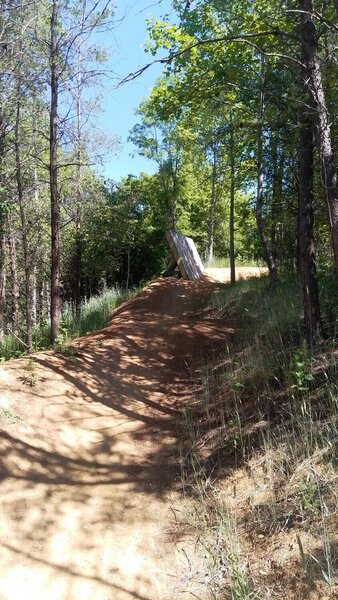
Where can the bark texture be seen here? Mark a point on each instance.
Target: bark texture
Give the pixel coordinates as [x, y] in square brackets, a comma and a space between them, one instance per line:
[3, 274]
[232, 203]
[307, 254]
[26, 261]
[54, 197]
[15, 283]
[314, 83]
[79, 195]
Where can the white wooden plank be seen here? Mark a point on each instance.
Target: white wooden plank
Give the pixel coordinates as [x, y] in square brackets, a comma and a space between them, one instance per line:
[186, 255]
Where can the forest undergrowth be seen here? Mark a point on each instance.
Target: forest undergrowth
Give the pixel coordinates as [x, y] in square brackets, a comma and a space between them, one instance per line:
[94, 315]
[260, 450]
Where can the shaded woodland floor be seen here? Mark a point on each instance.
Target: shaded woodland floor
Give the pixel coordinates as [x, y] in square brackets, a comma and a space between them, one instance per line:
[90, 459]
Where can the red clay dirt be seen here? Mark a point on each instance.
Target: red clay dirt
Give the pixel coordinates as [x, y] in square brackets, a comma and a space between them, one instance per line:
[90, 475]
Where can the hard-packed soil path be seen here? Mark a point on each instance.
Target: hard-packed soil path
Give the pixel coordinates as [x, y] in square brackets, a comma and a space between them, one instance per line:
[89, 453]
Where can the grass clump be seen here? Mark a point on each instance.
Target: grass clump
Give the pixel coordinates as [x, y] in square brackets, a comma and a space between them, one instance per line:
[29, 377]
[95, 314]
[260, 450]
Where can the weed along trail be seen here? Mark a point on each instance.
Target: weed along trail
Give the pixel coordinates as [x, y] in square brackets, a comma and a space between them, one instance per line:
[90, 456]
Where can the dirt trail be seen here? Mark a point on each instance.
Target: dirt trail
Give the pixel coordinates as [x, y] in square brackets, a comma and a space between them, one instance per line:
[89, 477]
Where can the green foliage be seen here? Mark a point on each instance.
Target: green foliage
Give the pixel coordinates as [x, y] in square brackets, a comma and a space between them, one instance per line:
[129, 229]
[327, 291]
[95, 314]
[309, 495]
[215, 73]
[300, 369]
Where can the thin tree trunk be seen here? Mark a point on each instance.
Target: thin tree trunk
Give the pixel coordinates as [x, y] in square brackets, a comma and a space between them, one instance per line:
[232, 203]
[15, 284]
[36, 188]
[39, 300]
[275, 192]
[26, 261]
[314, 83]
[128, 268]
[174, 195]
[54, 198]
[260, 180]
[46, 300]
[79, 197]
[212, 209]
[307, 254]
[3, 273]
[78, 264]
[34, 294]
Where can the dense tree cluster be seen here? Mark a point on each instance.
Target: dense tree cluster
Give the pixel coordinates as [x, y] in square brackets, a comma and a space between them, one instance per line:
[48, 70]
[248, 90]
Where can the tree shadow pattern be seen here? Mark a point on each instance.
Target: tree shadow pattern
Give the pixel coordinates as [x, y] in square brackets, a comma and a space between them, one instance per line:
[97, 442]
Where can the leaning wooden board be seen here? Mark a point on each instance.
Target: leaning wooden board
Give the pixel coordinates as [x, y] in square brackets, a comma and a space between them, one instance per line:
[186, 255]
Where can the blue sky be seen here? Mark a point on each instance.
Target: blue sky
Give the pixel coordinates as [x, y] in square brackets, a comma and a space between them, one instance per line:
[118, 105]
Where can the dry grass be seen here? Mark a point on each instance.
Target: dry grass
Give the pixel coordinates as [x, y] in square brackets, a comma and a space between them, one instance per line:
[260, 454]
[222, 274]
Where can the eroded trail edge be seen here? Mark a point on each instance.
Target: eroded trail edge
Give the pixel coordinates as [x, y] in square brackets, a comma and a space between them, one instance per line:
[90, 473]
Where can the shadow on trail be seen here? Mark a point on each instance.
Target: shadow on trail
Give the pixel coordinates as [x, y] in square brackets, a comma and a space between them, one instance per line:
[104, 440]
[73, 574]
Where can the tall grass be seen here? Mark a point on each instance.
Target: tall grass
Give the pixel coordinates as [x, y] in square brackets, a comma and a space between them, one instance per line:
[267, 413]
[95, 314]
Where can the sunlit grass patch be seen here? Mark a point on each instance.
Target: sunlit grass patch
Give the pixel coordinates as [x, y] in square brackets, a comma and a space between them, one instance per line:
[218, 262]
[95, 314]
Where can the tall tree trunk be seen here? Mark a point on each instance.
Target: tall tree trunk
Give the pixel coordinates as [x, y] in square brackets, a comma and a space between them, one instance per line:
[275, 192]
[260, 180]
[212, 208]
[128, 268]
[3, 273]
[39, 300]
[232, 202]
[34, 294]
[43, 301]
[79, 196]
[307, 255]
[28, 294]
[78, 263]
[173, 200]
[314, 83]
[53, 168]
[15, 283]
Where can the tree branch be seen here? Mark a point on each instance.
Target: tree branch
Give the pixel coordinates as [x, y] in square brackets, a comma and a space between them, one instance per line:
[316, 15]
[246, 38]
